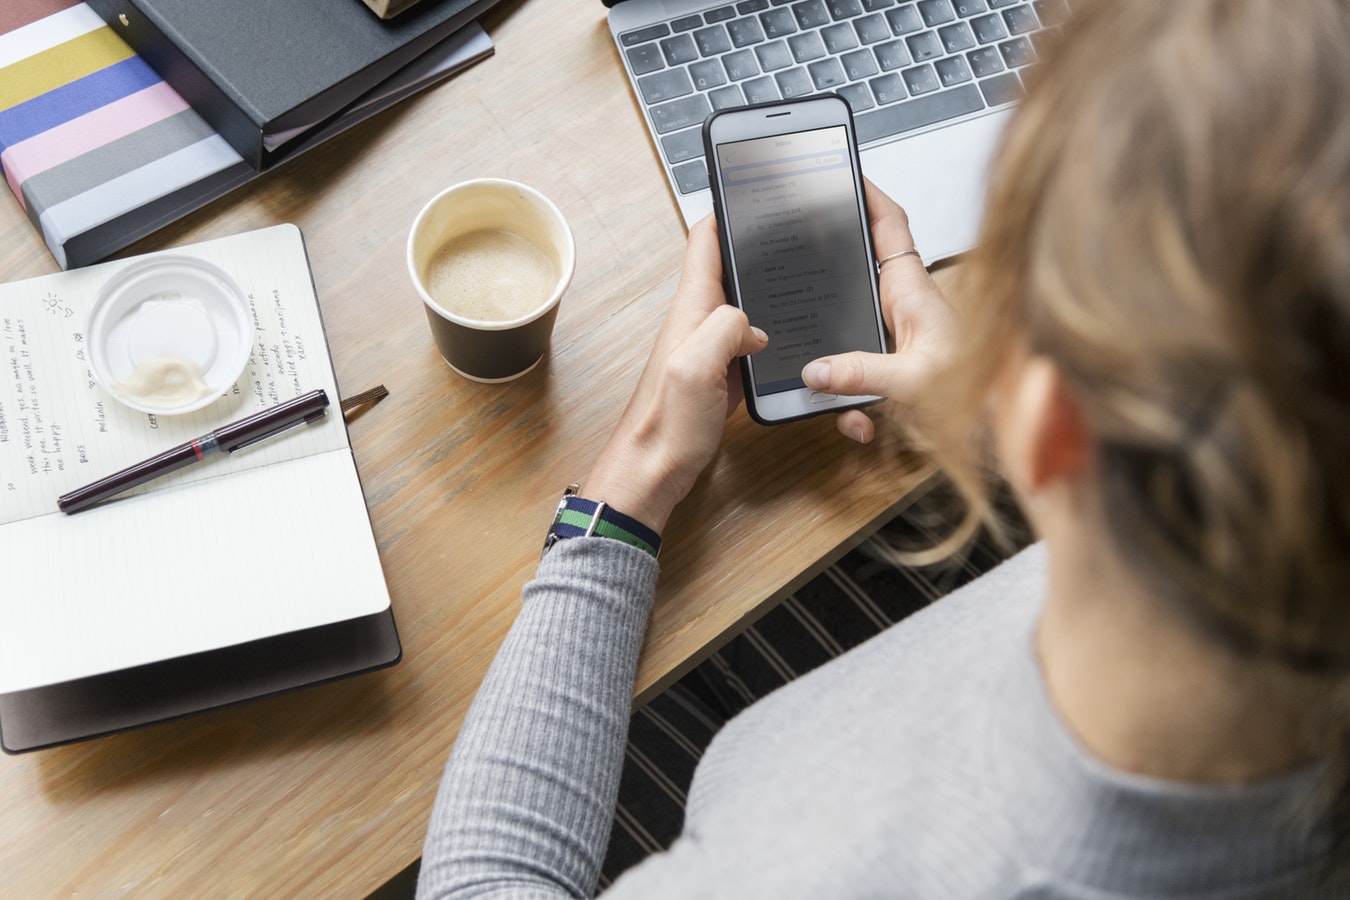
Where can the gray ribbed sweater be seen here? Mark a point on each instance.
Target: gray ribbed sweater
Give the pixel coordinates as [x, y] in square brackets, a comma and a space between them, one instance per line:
[926, 763]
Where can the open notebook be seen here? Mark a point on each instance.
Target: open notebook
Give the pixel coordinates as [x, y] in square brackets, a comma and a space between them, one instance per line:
[271, 541]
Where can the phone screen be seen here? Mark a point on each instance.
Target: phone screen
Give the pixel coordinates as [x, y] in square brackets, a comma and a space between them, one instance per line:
[799, 250]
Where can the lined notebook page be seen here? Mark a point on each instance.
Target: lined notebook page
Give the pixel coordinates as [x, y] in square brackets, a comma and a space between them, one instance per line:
[59, 430]
[272, 539]
[188, 569]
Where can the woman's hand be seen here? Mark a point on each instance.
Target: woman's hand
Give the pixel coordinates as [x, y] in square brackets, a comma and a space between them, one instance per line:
[691, 384]
[922, 325]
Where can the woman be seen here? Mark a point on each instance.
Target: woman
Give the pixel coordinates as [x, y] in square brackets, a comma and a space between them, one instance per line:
[1151, 701]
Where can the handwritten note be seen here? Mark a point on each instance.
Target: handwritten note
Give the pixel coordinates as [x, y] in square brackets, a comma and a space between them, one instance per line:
[267, 540]
[59, 429]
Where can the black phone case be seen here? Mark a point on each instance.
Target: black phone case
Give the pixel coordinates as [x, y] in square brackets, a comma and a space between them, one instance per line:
[724, 243]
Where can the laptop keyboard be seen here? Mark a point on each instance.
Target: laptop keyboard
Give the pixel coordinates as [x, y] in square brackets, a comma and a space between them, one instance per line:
[901, 64]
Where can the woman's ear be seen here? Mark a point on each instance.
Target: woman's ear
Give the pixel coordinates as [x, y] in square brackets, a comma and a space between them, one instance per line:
[1041, 433]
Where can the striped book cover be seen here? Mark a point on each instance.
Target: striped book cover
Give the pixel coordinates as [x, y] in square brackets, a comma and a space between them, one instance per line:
[97, 149]
[100, 151]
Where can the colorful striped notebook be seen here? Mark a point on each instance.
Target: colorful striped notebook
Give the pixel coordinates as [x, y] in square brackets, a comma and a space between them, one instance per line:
[100, 152]
[96, 147]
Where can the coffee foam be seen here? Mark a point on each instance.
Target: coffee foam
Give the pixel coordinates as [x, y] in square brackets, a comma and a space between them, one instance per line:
[491, 275]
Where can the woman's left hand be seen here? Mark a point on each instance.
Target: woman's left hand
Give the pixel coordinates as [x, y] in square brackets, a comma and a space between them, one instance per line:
[691, 384]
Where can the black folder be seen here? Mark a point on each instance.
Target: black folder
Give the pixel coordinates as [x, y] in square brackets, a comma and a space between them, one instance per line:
[256, 69]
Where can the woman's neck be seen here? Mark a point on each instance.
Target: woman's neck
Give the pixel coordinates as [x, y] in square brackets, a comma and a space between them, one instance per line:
[1146, 693]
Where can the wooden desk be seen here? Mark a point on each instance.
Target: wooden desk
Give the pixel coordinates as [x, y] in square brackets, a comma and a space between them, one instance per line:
[327, 792]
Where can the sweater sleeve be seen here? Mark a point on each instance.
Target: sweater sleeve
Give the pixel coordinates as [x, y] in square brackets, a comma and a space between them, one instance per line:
[527, 798]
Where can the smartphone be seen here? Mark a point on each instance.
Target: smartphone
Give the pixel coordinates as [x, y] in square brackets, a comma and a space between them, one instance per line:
[797, 252]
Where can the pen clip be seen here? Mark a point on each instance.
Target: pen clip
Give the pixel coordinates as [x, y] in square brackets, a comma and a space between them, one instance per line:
[312, 417]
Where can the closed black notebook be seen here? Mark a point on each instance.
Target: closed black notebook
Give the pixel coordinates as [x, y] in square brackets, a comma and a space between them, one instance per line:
[263, 73]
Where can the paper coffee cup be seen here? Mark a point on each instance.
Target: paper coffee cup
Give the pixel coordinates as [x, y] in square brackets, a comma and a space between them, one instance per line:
[490, 259]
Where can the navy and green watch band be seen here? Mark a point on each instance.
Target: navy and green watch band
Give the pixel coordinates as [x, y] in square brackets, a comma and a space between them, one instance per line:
[579, 517]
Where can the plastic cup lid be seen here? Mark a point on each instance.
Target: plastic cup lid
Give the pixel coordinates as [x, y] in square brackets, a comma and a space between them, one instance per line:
[169, 335]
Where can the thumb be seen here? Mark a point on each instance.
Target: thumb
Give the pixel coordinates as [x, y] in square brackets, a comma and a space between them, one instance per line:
[852, 374]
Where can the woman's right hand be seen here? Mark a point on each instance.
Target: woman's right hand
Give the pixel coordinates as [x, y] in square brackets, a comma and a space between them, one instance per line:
[922, 325]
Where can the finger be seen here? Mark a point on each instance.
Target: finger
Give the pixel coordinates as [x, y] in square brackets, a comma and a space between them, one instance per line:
[890, 224]
[722, 337]
[859, 373]
[705, 358]
[701, 274]
[855, 424]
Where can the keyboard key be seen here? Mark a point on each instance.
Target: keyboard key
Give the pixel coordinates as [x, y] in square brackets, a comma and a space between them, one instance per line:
[793, 83]
[761, 90]
[894, 55]
[1052, 12]
[745, 32]
[936, 12]
[691, 177]
[827, 74]
[904, 20]
[727, 97]
[806, 47]
[741, 64]
[688, 23]
[999, 4]
[707, 74]
[773, 56]
[751, 6]
[1020, 19]
[1017, 52]
[920, 80]
[858, 97]
[989, 28]
[839, 38]
[985, 61]
[778, 23]
[811, 14]
[844, 9]
[679, 50]
[683, 145]
[642, 35]
[956, 38]
[859, 64]
[665, 85]
[918, 113]
[1001, 89]
[677, 114]
[924, 46]
[887, 89]
[952, 70]
[712, 41]
[871, 29]
[876, 6]
[645, 58]
[721, 14]
[967, 8]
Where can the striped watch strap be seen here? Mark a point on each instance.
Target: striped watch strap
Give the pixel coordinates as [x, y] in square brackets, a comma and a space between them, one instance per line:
[579, 517]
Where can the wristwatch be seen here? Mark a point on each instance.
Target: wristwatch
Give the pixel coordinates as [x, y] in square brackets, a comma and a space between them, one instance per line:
[579, 517]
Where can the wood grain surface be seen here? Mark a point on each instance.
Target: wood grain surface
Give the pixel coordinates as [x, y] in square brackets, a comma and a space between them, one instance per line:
[326, 792]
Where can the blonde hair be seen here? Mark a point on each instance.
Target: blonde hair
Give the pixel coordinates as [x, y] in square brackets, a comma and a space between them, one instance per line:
[1170, 223]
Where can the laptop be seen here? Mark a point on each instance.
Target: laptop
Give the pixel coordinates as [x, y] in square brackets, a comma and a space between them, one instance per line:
[932, 84]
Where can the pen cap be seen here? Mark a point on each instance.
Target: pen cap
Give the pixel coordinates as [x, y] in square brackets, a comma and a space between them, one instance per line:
[169, 335]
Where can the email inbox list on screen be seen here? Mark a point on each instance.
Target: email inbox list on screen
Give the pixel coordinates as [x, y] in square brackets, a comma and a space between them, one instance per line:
[798, 250]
